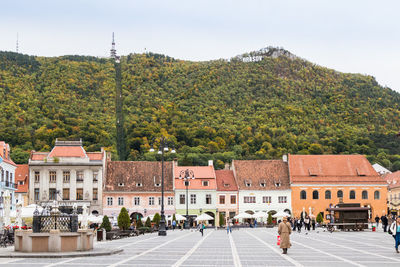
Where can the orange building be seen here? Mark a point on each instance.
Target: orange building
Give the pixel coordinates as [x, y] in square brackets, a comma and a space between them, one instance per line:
[318, 181]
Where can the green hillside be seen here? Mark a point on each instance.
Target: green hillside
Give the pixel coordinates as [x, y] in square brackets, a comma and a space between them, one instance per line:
[254, 106]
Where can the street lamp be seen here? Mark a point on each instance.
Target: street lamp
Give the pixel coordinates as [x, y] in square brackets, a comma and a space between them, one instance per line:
[186, 175]
[162, 149]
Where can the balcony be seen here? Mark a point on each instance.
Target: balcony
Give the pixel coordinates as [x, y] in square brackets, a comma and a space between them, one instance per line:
[9, 184]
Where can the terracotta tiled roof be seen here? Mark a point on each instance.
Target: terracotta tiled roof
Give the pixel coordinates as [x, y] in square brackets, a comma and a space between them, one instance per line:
[225, 180]
[131, 173]
[393, 179]
[68, 151]
[199, 171]
[22, 174]
[343, 169]
[261, 174]
[95, 155]
[4, 145]
[38, 155]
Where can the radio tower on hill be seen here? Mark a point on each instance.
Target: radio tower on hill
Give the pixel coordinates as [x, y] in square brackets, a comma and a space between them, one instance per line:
[113, 52]
[17, 44]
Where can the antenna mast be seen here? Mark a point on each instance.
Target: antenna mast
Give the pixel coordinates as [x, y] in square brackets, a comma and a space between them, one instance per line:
[17, 44]
[113, 52]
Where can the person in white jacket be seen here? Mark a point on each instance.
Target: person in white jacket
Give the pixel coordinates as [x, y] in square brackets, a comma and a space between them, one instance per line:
[395, 231]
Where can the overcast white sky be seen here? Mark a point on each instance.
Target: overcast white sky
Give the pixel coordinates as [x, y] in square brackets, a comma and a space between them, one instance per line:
[358, 36]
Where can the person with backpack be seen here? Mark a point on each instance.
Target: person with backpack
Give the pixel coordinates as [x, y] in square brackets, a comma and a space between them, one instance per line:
[284, 230]
[394, 230]
[201, 228]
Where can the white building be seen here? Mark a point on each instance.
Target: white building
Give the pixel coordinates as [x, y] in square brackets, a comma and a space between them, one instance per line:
[7, 173]
[263, 185]
[68, 174]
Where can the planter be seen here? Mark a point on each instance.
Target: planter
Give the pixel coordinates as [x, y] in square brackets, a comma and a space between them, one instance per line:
[269, 226]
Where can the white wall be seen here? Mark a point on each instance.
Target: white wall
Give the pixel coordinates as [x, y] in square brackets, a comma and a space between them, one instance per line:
[259, 205]
[200, 199]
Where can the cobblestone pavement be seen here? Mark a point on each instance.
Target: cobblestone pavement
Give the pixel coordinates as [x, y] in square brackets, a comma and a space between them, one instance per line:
[244, 247]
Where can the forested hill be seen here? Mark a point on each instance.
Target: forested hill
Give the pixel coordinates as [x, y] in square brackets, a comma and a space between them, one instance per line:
[254, 106]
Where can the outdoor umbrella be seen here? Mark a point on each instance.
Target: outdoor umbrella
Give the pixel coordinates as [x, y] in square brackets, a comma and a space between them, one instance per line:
[204, 217]
[260, 214]
[243, 215]
[27, 212]
[95, 219]
[281, 214]
[179, 217]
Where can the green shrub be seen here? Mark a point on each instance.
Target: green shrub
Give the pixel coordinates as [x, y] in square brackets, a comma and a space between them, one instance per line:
[320, 219]
[173, 217]
[148, 223]
[145, 229]
[269, 219]
[221, 219]
[106, 223]
[123, 219]
[157, 219]
[139, 223]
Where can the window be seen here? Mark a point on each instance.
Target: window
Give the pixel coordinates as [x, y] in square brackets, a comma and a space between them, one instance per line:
[303, 194]
[249, 200]
[79, 176]
[94, 193]
[95, 175]
[66, 176]
[181, 199]
[170, 201]
[120, 201]
[208, 199]
[233, 199]
[139, 184]
[339, 193]
[52, 176]
[157, 184]
[205, 183]
[151, 201]
[36, 194]
[247, 183]
[136, 201]
[221, 199]
[79, 194]
[65, 193]
[278, 184]
[267, 199]
[193, 199]
[315, 194]
[52, 194]
[121, 184]
[159, 201]
[328, 194]
[263, 184]
[364, 194]
[282, 199]
[109, 201]
[187, 183]
[377, 195]
[352, 194]
[37, 177]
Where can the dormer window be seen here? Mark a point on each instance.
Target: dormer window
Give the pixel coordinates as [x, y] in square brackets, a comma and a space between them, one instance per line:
[121, 184]
[263, 183]
[312, 172]
[277, 184]
[205, 183]
[226, 185]
[247, 183]
[157, 184]
[360, 172]
[139, 184]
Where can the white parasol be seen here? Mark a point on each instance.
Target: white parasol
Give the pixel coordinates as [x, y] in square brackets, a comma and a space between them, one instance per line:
[243, 215]
[204, 217]
[179, 217]
[280, 214]
[260, 214]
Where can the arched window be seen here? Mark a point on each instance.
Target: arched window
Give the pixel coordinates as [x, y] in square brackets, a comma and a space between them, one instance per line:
[315, 194]
[352, 194]
[340, 193]
[377, 194]
[364, 194]
[328, 194]
[303, 194]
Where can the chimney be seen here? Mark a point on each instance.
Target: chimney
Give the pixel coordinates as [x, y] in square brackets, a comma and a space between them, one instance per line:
[210, 162]
[227, 166]
[175, 162]
[284, 158]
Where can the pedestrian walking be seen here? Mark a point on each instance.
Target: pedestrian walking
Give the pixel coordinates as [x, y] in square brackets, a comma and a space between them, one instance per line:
[299, 224]
[313, 223]
[394, 229]
[294, 224]
[284, 230]
[307, 223]
[173, 224]
[385, 222]
[377, 220]
[228, 226]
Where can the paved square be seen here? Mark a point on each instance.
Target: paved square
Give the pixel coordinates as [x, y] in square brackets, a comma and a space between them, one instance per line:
[244, 247]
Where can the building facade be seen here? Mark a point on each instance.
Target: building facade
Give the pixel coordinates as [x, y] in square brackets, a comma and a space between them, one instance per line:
[69, 175]
[321, 181]
[136, 185]
[393, 181]
[7, 174]
[263, 185]
[227, 194]
[22, 181]
[201, 191]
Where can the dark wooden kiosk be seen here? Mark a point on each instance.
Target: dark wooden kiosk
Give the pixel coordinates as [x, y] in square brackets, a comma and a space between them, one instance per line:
[348, 216]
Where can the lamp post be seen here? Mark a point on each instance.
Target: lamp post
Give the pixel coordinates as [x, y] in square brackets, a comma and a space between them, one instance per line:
[186, 175]
[162, 149]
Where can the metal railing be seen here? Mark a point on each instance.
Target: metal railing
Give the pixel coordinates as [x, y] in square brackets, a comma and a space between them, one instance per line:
[52, 219]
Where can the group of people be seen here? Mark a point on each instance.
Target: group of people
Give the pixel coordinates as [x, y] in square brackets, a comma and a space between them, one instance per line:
[298, 223]
[384, 221]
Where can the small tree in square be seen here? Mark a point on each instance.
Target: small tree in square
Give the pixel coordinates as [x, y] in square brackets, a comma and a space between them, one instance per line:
[106, 223]
[148, 222]
[139, 223]
[221, 219]
[319, 219]
[269, 219]
[123, 219]
[173, 217]
[157, 219]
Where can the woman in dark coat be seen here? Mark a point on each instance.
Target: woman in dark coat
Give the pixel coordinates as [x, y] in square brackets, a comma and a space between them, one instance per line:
[284, 230]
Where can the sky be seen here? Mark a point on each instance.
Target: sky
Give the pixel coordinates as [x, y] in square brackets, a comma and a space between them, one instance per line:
[357, 36]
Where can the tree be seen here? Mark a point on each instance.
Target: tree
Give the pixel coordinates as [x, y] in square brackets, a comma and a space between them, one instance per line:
[269, 219]
[173, 217]
[123, 219]
[148, 223]
[319, 219]
[106, 223]
[156, 219]
[139, 223]
[221, 219]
